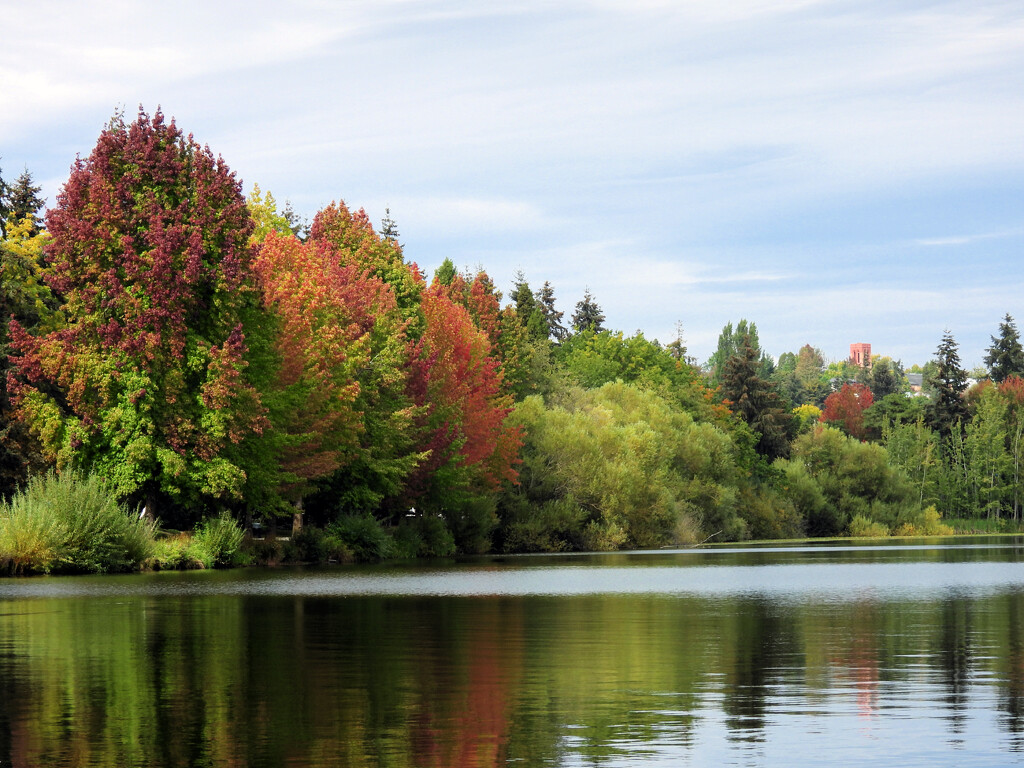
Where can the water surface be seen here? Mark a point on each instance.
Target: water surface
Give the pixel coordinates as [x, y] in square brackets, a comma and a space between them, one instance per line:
[892, 655]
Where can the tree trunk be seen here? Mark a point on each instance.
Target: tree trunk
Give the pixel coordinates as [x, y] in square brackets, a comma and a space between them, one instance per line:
[297, 519]
[149, 510]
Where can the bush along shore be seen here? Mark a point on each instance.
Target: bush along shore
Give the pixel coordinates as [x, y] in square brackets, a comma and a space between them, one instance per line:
[72, 523]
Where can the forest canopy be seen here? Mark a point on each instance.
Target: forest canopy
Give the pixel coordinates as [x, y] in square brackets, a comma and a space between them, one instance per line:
[206, 353]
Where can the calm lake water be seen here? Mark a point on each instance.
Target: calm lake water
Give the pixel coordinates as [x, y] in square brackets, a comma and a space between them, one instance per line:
[888, 655]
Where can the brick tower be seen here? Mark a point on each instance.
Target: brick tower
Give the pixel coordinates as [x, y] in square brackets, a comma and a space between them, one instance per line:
[860, 354]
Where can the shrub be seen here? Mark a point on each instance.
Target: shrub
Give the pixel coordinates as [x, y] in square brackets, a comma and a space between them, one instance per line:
[424, 536]
[862, 528]
[268, 551]
[553, 526]
[217, 542]
[926, 522]
[769, 516]
[71, 523]
[314, 545]
[173, 553]
[363, 537]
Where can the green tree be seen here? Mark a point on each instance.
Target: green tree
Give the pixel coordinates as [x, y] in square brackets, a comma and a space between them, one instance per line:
[588, 315]
[949, 412]
[4, 207]
[446, 273]
[985, 445]
[833, 479]
[529, 310]
[757, 402]
[914, 448]
[388, 227]
[553, 318]
[1005, 357]
[618, 466]
[593, 359]
[886, 377]
[23, 201]
[265, 216]
[730, 343]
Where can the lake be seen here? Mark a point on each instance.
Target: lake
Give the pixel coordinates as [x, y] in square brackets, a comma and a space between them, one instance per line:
[901, 655]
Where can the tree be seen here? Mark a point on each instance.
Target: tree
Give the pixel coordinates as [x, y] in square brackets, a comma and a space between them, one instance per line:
[846, 407]
[588, 315]
[949, 412]
[388, 227]
[470, 448]
[150, 260]
[757, 402]
[338, 398]
[528, 309]
[24, 298]
[355, 242]
[913, 447]
[618, 465]
[988, 461]
[553, 318]
[1012, 390]
[23, 201]
[730, 343]
[677, 347]
[593, 359]
[446, 273]
[1006, 356]
[886, 377]
[4, 208]
[265, 216]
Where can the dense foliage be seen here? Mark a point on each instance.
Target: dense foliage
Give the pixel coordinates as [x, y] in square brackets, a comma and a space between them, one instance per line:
[209, 355]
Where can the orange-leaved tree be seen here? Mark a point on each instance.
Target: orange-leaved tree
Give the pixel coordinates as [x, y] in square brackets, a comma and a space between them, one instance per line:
[338, 333]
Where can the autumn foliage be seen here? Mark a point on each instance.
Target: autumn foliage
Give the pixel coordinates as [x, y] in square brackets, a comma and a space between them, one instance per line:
[326, 314]
[457, 380]
[846, 407]
[149, 259]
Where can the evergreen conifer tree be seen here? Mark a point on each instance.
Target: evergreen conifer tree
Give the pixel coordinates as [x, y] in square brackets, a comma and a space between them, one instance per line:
[4, 209]
[22, 199]
[553, 318]
[756, 401]
[949, 411]
[388, 227]
[1005, 357]
[528, 309]
[588, 315]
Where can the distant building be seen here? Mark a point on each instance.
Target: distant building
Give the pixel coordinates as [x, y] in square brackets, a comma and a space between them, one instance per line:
[860, 354]
[916, 382]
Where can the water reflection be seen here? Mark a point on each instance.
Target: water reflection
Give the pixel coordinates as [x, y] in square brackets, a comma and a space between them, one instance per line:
[908, 659]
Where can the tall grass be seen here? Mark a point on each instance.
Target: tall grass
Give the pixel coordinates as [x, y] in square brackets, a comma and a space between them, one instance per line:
[71, 523]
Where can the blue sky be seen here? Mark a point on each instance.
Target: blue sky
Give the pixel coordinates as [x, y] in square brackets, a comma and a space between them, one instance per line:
[833, 171]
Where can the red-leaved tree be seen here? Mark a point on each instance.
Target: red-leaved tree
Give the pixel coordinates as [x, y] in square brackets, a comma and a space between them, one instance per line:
[846, 407]
[457, 381]
[146, 379]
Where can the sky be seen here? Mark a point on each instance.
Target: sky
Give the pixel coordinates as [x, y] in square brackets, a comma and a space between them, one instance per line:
[833, 171]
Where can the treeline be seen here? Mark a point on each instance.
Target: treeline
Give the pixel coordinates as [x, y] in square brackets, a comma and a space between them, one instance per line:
[205, 353]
